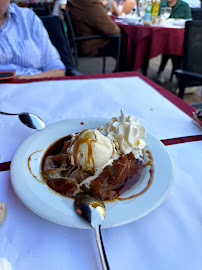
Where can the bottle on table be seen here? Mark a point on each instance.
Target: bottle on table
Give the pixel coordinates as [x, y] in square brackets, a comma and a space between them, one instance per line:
[155, 10]
[148, 14]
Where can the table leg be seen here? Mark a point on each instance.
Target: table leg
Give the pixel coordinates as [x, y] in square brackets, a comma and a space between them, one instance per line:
[144, 67]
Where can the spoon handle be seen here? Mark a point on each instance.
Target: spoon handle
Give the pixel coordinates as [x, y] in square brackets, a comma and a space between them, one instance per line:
[101, 248]
[8, 113]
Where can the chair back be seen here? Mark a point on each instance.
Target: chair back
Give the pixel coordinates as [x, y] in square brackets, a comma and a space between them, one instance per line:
[192, 58]
[196, 14]
[40, 9]
[58, 37]
[74, 40]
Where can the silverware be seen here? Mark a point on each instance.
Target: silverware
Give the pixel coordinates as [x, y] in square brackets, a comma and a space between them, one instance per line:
[92, 209]
[29, 119]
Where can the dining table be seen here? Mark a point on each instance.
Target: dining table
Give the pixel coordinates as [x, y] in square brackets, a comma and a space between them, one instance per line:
[145, 42]
[168, 236]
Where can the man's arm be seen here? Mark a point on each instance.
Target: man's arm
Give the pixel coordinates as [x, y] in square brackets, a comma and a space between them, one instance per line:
[187, 12]
[45, 74]
[127, 7]
[62, 6]
[100, 21]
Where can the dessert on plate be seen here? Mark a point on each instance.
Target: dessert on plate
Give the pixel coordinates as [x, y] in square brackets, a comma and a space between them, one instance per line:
[106, 161]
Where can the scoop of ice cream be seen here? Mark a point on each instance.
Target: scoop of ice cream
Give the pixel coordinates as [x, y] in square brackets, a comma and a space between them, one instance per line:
[128, 133]
[91, 150]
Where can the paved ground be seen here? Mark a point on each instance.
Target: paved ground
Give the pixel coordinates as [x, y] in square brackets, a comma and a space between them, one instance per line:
[94, 66]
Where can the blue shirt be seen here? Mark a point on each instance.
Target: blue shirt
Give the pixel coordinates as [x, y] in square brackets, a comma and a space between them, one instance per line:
[25, 45]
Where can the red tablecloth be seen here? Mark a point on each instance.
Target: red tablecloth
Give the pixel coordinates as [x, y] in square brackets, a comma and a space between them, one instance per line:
[145, 42]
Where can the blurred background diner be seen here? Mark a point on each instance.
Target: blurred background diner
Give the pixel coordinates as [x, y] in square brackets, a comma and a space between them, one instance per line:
[178, 9]
[122, 7]
[159, 68]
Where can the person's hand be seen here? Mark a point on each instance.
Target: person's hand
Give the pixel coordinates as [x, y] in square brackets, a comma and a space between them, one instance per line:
[23, 77]
[105, 2]
[114, 4]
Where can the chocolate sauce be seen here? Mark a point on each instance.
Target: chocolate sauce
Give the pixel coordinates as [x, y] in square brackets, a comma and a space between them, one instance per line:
[29, 159]
[151, 171]
[111, 183]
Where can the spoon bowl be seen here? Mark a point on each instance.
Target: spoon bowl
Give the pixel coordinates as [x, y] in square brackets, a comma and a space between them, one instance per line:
[92, 209]
[29, 119]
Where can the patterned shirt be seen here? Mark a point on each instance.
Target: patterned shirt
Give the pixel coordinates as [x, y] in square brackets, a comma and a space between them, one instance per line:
[25, 46]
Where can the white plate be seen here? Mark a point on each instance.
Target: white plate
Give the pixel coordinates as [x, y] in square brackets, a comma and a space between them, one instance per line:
[130, 18]
[40, 199]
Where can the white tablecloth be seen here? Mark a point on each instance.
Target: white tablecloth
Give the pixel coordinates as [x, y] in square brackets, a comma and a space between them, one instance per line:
[168, 238]
[58, 100]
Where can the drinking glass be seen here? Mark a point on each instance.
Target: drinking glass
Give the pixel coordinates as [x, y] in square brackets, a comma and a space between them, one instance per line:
[141, 8]
[166, 12]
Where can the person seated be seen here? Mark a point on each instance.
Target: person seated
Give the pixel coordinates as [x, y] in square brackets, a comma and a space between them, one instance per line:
[25, 46]
[180, 10]
[123, 7]
[57, 6]
[89, 17]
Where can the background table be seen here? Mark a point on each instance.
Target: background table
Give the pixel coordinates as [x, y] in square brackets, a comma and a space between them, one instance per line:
[145, 42]
[168, 238]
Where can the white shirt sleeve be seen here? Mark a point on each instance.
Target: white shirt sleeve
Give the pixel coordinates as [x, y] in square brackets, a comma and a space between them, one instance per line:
[62, 2]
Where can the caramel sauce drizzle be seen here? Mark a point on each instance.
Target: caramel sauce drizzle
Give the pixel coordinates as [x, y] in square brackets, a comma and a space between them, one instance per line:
[151, 171]
[29, 159]
[86, 139]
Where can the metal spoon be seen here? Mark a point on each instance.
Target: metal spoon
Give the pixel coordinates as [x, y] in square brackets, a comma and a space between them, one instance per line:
[29, 119]
[92, 209]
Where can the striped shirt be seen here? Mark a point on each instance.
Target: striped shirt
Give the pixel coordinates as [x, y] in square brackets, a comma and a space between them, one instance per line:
[25, 46]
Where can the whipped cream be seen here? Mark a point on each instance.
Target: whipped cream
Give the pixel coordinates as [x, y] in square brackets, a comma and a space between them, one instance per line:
[128, 133]
[94, 149]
